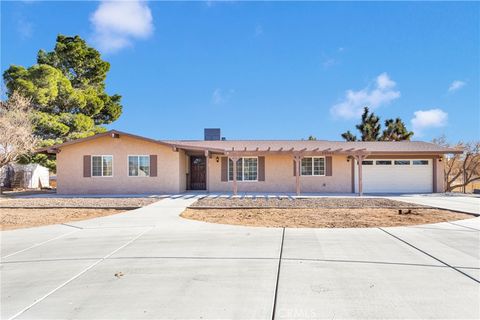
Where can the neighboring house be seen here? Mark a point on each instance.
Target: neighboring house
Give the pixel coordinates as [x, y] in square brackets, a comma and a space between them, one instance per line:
[25, 176]
[122, 163]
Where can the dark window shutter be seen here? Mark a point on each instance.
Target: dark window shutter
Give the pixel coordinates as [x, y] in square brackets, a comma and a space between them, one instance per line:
[261, 168]
[328, 166]
[224, 168]
[294, 168]
[87, 166]
[153, 165]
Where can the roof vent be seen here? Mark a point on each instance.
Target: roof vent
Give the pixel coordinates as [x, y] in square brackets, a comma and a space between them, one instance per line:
[211, 134]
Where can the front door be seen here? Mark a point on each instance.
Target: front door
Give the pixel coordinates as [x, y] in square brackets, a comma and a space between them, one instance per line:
[198, 172]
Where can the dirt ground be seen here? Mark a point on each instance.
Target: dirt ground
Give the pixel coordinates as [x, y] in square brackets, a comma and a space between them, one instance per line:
[302, 202]
[18, 213]
[322, 217]
[25, 218]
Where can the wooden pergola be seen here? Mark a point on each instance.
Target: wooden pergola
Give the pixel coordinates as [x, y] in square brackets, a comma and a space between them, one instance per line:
[297, 155]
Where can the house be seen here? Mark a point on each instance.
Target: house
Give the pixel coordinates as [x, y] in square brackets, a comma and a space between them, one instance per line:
[123, 163]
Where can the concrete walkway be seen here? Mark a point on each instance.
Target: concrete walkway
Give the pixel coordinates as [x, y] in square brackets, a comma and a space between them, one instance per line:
[150, 263]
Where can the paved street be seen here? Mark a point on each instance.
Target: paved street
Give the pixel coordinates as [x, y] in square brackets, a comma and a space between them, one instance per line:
[150, 263]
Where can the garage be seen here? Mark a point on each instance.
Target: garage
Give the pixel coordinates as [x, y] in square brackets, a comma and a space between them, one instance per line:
[396, 176]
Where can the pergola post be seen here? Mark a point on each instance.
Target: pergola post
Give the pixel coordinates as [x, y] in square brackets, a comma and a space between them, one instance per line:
[297, 160]
[207, 180]
[359, 159]
[235, 190]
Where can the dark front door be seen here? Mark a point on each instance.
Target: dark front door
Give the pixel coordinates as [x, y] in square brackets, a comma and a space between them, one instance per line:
[198, 171]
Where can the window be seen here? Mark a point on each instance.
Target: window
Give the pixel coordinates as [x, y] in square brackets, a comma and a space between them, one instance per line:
[367, 162]
[247, 169]
[102, 166]
[402, 162]
[138, 166]
[420, 162]
[383, 162]
[313, 166]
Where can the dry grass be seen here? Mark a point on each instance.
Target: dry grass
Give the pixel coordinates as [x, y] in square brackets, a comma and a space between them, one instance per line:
[322, 217]
[25, 218]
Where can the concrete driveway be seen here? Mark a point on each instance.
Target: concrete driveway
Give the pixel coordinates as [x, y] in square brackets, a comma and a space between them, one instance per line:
[150, 263]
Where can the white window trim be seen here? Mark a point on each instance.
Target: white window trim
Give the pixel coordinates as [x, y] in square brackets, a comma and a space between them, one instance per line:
[91, 165]
[393, 162]
[138, 155]
[243, 173]
[313, 171]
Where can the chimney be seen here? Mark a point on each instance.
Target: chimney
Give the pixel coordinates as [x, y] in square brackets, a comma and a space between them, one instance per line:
[211, 134]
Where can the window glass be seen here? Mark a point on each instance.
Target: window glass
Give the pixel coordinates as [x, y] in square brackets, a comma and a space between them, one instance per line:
[367, 162]
[107, 166]
[144, 166]
[383, 162]
[402, 162]
[97, 166]
[306, 166]
[319, 166]
[420, 162]
[133, 166]
[139, 166]
[249, 169]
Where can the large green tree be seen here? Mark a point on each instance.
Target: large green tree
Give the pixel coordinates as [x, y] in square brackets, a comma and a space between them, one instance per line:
[370, 129]
[67, 90]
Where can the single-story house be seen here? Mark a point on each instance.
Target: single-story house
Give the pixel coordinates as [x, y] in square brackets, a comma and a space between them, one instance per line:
[123, 163]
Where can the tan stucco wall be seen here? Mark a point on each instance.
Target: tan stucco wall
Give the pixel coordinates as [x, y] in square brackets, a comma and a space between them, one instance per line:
[70, 178]
[279, 177]
[440, 175]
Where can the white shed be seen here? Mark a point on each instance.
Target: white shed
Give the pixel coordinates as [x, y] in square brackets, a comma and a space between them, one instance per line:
[27, 176]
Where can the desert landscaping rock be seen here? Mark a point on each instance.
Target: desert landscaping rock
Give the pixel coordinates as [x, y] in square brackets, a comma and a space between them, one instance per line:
[283, 202]
[76, 202]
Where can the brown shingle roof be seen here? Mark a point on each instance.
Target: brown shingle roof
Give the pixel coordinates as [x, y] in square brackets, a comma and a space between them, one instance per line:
[286, 145]
[274, 145]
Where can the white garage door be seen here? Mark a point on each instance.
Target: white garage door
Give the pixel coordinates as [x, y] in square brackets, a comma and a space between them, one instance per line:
[397, 176]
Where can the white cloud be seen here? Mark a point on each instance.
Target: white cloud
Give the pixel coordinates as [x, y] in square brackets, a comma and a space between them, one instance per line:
[24, 28]
[382, 93]
[117, 23]
[329, 62]
[220, 96]
[424, 119]
[456, 85]
[258, 31]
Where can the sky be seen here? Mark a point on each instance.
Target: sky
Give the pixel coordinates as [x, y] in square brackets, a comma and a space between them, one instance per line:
[270, 70]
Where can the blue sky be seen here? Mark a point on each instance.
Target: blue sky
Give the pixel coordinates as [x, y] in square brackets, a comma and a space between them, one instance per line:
[270, 70]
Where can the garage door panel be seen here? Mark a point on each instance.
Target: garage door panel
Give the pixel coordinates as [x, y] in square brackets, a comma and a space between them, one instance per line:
[396, 178]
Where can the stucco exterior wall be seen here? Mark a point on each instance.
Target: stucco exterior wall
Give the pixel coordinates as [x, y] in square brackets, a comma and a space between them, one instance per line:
[70, 178]
[279, 177]
[440, 175]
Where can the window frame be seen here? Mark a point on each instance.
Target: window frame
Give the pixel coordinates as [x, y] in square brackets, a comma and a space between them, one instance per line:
[243, 172]
[101, 157]
[313, 167]
[138, 165]
[420, 164]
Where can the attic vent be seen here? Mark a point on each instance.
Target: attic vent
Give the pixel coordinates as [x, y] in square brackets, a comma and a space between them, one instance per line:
[211, 134]
[115, 135]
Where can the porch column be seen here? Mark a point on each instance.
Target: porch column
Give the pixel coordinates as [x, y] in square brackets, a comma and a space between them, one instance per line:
[234, 160]
[297, 160]
[360, 159]
[207, 178]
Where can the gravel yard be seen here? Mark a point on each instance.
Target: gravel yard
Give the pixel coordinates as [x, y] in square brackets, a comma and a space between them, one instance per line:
[29, 212]
[76, 202]
[322, 217]
[301, 203]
